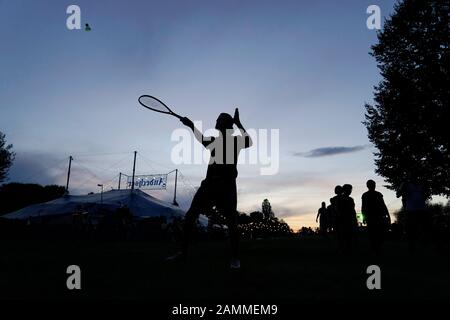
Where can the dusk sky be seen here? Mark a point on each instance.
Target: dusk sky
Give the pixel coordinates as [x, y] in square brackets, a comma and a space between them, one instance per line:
[302, 67]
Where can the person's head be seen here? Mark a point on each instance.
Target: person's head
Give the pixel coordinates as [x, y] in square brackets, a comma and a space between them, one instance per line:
[347, 189]
[323, 205]
[371, 185]
[338, 190]
[224, 121]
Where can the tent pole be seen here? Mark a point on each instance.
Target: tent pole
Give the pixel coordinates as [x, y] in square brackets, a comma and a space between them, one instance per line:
[134, 170]
[175, 190]
[68, 174]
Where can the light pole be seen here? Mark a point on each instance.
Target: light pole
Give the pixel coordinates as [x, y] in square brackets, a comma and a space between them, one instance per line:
[101, 194]
[68, 175]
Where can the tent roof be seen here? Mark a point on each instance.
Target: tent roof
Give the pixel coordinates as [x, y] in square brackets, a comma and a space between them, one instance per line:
[140, 204]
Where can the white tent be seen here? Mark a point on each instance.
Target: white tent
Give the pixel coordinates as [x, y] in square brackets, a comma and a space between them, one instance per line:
[140, 204]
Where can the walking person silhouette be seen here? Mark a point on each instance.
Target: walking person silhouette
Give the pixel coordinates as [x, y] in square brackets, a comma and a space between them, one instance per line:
[377, 216]
[418, 220]
[218, 189]
[322, 216]
[346, 220]
[333, 208]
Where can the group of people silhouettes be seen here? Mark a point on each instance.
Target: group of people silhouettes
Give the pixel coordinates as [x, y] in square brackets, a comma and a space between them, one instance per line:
[340, 218]
[219, 190]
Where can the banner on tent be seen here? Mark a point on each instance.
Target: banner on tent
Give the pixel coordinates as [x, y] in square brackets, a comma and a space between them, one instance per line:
[148, 182]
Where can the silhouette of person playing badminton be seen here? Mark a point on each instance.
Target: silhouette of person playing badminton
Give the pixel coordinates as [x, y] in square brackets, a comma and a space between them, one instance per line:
[377, 216]
[218, 189]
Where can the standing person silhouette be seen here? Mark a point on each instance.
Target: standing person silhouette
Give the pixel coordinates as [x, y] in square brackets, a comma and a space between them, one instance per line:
[218, 189]
[346, 220]
[333, 208]
[322, 214]
[418, 221]
[377, 216]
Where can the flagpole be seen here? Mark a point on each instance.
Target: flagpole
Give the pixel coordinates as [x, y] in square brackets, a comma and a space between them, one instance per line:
[175, 203]
[134, 170]
[68, 174]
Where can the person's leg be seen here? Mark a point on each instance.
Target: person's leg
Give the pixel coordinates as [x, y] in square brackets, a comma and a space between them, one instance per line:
[229, 205]
[346, 238]
[325, 227]
[340, 236]
[371, 236]
[378, 236]
[189, 221]
[375, 234]
[411, 230]
[234, 234]
[350, 236]
[321, 227]
[199, 202]
[425, 221]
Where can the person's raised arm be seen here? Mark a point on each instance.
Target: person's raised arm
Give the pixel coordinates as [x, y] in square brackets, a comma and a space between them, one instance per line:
[197, 133]
[237, 121]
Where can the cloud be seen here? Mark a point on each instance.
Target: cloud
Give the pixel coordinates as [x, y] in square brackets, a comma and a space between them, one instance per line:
[330, 151]
[37, 167]
[283, 212]
[46, 168]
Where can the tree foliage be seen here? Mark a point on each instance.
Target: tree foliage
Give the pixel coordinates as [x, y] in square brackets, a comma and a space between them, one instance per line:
[255, 225]
[408, 121]
[263, 224]
[6, 157]
[267, 209]
[15, 196]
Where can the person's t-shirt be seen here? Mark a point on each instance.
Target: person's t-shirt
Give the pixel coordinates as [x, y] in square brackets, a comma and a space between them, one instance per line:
[224, 156]
[373, 205]
[323, 213]
[347, 209]
[334, 205]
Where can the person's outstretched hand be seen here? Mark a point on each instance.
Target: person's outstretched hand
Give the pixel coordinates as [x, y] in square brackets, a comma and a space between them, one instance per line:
[187, 122]
[236, 119]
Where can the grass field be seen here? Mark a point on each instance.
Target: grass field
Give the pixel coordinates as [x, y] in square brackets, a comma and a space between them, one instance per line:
[288, 268]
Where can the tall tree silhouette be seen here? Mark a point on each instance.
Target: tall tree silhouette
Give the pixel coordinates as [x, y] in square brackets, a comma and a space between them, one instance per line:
[15, 196]
[6, 157]
[267, 209]
[408, 123]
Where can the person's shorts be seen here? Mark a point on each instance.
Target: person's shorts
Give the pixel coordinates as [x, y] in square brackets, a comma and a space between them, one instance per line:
[219, 193]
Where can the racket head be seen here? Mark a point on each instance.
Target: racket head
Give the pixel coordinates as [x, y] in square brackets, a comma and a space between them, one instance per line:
[155, 104]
